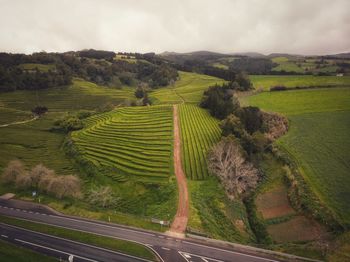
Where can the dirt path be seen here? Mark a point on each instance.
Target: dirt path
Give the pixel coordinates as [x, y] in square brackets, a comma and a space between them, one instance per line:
[180, 221]
[20, 122]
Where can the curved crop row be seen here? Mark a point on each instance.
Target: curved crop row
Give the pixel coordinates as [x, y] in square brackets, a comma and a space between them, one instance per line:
[199, 131]
[135, 141]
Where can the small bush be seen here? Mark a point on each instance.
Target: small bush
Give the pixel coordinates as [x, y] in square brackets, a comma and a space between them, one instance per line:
[278, 88]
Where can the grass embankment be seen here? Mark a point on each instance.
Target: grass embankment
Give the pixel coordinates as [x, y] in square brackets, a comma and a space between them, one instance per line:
[123, 246]
[14, 253]
[189, 89]
[290, 81]
[214, 215]
[317, 140]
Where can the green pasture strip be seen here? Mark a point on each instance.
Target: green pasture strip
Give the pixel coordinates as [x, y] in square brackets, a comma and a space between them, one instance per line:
[15, 253]
[267, 81]
[296, 102]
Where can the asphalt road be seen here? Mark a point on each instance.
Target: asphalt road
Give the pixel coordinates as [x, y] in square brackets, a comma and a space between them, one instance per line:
[168, 248]
[59, 247]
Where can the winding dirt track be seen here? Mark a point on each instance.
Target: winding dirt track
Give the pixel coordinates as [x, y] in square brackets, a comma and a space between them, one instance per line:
[180, 221]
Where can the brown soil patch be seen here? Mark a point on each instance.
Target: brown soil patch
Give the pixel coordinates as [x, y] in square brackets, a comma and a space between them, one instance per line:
[298, 228]
[180, 221]
[274, 203]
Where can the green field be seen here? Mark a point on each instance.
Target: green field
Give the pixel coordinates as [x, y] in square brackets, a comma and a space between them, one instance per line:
[136, 141]
[317, 140]
[189, 89]
[297, 102]
[40, 67]
[199, 131]
[302, 65]
[267, 81]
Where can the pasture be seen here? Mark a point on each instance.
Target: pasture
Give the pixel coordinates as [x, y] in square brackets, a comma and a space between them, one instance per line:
[199, 131]
[136, 141]
[265, 82]
[317, 140]
[188, 89]
[302, 65]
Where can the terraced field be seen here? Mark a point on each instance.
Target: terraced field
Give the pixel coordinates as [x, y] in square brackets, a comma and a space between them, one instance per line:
[136, 141]
[189, 89]
[199, 131]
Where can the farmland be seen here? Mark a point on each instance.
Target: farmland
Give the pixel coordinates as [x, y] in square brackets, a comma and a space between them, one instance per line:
[136, 141]
[315, 117]
[33, 142]
[189, 89]
[199, 131]
[303, 65]
[289, 81]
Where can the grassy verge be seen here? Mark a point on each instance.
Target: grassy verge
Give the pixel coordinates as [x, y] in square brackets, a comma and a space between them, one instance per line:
[14, 253]
[123, 246]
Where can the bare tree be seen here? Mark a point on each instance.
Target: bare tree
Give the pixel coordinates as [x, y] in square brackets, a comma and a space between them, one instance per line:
[63, 186]
[227, 162]
[23, 181]
[45, 182]
[39, 172]
[102, 196]
[13, 169]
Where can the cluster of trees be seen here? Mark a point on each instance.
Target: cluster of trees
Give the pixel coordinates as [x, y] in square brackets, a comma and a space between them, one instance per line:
[245, 131]
[220, 99]
[253, 65]
[14, 78]
[141, 93]
[42, 179]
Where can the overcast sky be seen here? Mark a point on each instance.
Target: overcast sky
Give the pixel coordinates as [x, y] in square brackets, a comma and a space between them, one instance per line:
[266, 26]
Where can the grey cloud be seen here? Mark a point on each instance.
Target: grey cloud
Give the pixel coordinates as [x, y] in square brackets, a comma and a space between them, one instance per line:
[294, 26]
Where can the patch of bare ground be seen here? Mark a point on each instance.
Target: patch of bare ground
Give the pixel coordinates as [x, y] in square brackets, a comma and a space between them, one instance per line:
[299, 228]
[274, 203]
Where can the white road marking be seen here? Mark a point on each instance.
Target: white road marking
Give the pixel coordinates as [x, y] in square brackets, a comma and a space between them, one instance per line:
[165, 248]
[229, 251]
[4, 236]
[187, 256]
[52, 249]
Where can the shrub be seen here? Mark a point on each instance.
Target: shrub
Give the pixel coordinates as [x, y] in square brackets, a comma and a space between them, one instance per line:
[278, 88]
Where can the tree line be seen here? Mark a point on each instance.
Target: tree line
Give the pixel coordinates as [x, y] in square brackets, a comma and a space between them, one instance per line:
[96, 66]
